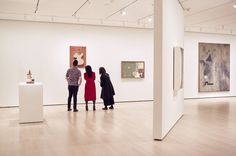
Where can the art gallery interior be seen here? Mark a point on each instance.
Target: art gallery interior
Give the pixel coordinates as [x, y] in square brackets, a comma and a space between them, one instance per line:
[182, 102]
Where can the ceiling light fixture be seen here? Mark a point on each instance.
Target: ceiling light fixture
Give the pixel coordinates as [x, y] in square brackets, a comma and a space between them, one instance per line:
[234, 5]
[120, 10]
[145, 19]
[149, 19]
[123, 12]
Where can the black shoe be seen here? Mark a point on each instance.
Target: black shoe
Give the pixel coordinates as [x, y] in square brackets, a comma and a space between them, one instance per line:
[94, 108]
[75, 110]
[111, 107]
[105, 108]
[86, 107]
[69, 109]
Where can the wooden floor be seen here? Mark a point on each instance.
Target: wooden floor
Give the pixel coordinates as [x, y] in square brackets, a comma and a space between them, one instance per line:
[208, 128]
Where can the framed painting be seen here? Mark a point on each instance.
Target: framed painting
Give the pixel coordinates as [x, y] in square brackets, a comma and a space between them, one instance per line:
[132, 69]
[214, 67]
[178, 66]
[78, 53]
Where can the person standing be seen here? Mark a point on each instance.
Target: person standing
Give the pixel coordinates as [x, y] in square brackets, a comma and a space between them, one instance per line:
[90, 89]
[73, 77]
[107, 92]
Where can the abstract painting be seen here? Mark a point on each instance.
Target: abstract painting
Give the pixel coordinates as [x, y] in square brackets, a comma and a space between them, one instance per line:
[132, 69]
[178, 54]
[214, 67]
[78, 53]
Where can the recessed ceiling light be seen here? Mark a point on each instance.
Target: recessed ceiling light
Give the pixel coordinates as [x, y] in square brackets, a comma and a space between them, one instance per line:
[149, 19]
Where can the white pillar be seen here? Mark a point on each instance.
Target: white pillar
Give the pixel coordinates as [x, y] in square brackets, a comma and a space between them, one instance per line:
[168, 33]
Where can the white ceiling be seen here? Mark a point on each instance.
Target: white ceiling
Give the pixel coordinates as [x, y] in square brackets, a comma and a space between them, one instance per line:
[101, 12]
[217, 16]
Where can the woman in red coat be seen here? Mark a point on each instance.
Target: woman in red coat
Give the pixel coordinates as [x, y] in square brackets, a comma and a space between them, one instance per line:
[90, 89]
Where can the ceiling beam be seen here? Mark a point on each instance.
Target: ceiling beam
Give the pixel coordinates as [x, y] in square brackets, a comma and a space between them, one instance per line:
[74, 14]
[182, 6]
[37, 6]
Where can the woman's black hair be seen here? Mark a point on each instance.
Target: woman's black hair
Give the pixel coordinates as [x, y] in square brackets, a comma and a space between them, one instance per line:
[88, 70]
[102, 70]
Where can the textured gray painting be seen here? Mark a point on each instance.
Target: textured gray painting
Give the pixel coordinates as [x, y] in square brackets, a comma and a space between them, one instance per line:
[214, 67]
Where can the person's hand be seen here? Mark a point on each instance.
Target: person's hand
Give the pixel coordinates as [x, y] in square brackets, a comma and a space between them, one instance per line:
[80, 81]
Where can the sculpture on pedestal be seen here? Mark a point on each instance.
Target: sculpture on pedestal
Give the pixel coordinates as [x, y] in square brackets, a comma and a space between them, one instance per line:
[29, 78]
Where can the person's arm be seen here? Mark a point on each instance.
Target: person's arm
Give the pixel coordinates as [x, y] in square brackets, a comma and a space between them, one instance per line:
[85, 77]
[67, 75]
[102, 81]
[80, 78]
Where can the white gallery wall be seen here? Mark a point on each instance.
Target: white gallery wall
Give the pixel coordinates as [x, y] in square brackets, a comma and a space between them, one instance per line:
[44, 49]
[191, 63]
[169, 33]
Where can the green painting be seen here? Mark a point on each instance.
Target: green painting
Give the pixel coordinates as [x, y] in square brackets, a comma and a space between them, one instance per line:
[132, 69]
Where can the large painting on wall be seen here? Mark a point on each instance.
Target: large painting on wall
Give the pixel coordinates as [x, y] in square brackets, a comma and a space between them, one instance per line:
[78, 53]
[132, 69]
[214, 67]
[178, 54]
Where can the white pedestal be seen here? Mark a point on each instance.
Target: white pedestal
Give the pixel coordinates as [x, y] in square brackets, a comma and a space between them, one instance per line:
[30, 102]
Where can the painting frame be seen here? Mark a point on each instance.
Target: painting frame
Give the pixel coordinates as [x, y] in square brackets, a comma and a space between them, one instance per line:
[132, 69]
[178, 68]
[78, 53]
[217, 63]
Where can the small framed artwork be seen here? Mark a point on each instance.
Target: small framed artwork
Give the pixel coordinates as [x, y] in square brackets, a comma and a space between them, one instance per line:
[132, 69]
[78, 53]
[178, 54]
